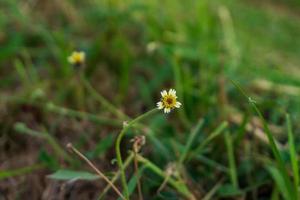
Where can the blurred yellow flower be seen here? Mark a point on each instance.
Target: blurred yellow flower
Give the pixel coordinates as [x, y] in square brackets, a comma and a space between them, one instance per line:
[77, 58]
[168, 101]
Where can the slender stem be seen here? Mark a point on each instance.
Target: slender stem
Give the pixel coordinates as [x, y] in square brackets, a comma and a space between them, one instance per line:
[82, 115]
[117, 175]
[179, 186]
[293, 154]
[79, 91]
[231, 159]
[211, 136]
[275, 150]
[136, 169]
[102, 100]
[58, 150]
[21, 171]
[95, 169]
[190, 140]
[161, 187]
[118, 151]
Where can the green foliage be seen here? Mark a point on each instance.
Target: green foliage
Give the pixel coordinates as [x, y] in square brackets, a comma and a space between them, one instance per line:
[135, 49]
[64, 174]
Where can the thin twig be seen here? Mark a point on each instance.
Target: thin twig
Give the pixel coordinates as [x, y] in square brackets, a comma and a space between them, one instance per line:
[161, 187]
[136, 169]
[70, 146]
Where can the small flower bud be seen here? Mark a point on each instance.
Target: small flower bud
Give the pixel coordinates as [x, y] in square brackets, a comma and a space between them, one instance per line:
[138, 142]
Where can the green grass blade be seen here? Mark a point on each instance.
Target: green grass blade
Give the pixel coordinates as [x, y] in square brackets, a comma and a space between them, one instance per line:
[279, 179]
[279, 160]
[18, 172]
[59, 151]
[179, 186]
[211, 163]
[65, 174]
[241, 132]
[231, 159]
[180, 89]
[212, 136]
[293, 154]
[21, 71]
[190, 140]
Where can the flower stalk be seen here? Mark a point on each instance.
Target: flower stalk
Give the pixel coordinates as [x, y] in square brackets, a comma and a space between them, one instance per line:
[118, 150]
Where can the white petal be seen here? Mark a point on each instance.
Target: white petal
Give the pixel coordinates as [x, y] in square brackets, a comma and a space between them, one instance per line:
[82, 55]
[160, 105]
[167, 110]
[163, 93]
[172, 92]
[70, 59]
[178, 104]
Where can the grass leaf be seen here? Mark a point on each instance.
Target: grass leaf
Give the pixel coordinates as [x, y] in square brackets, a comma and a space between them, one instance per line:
[64, 174]
[293, 154]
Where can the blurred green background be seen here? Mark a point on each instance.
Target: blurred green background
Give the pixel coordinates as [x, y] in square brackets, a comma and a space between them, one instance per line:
[134, 49]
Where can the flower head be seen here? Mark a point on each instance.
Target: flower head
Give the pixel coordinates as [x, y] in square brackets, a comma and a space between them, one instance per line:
[77, 58]
[168, 101]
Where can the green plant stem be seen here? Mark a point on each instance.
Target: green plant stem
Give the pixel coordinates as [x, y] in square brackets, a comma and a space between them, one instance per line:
[179, 186]
[276, 152]
[293, 154]
[211, 163]
[128, 160]
[231, 160]
[137, 174]
[211, 136]
[79, 91]
[105, 120]
[59, 151]
[190, 141]
[209, 195]
[17, 172]
[180, 88]
[102, 100]
[83, 115]
[118, 151]
[279, 160]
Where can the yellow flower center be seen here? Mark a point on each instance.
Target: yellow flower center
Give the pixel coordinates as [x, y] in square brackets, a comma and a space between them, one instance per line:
[78, 58]
[169, 101]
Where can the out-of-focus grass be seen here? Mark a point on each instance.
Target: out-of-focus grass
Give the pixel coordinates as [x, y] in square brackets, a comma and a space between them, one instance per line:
[136, 49]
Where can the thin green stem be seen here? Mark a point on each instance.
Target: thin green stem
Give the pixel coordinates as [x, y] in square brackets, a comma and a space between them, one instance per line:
[102, 100]
[128, 160]
[21, 171]
[179, 186]
[118, 143]
[59, 151]
[279, 159]
[137, 174]
[82, 115]
[180, 89]
[231, 160]
[190, 141]
[211, 136]
[209, 195]
[293, 154]
[105, 120]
